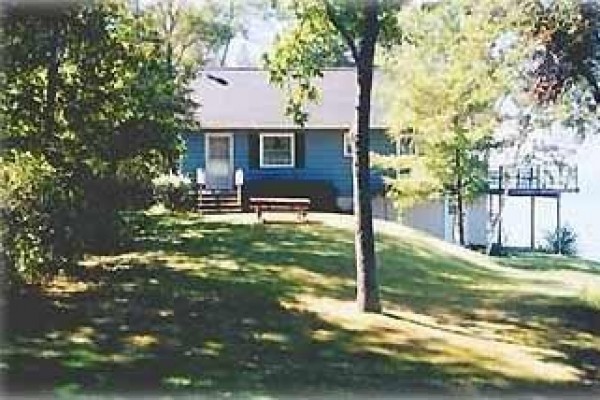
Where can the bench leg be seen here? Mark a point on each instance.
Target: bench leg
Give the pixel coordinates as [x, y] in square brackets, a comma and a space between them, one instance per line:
[259, 215]
[301, 215]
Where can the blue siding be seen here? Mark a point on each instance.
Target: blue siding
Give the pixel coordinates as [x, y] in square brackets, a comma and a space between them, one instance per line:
[240, 151]
[324, 159]
[193, 155]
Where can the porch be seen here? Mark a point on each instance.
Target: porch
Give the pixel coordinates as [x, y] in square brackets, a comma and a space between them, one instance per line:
[219, 199]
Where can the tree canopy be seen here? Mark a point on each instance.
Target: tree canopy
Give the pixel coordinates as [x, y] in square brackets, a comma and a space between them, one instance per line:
[88, 93]
[442, 84]
[191, 34]
[459, 59]
[324, 34]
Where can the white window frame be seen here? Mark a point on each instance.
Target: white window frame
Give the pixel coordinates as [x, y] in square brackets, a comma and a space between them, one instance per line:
[414, 146]
[347, 140]
[292, 138]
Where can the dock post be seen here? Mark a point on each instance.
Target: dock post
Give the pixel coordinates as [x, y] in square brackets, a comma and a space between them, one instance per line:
[532, 223]
[558, 224]
[500, 205]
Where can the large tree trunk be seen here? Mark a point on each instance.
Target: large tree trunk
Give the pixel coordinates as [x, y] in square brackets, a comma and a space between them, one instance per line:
[367, 295]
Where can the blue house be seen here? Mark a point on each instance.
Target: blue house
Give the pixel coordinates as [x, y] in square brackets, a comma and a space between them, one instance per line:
[244, 128]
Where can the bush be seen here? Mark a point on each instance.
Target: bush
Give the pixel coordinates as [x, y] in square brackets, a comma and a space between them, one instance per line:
[134, 180]
[36, 234]
[563, 241]
[98, 223]
[176, 192]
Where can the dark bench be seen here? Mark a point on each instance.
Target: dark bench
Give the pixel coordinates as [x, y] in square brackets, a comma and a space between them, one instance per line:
[280, 204]
[321, 193]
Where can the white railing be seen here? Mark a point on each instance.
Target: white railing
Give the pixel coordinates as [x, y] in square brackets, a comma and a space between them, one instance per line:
[239, 182]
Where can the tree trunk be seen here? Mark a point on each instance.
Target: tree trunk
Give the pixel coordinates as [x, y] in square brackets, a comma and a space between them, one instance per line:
[460, 201]
[230, 37]
[461, 218]
[367, 295]
[47, 137]
[51, 82]
[170, 66]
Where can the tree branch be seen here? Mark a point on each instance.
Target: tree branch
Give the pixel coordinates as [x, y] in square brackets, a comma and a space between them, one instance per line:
[184, 47]
[589, 76]
[335, 21]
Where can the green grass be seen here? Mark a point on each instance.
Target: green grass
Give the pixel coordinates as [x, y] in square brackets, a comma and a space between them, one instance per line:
[550, 262]
[199, 305]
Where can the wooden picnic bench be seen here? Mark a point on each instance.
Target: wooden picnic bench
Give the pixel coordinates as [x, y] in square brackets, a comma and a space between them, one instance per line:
[280, 204]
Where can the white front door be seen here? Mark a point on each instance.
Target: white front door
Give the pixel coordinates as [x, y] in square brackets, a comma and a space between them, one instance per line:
[219, 160]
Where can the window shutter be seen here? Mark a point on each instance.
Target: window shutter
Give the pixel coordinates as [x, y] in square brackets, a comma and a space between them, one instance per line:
[300, 148]
[253, 151]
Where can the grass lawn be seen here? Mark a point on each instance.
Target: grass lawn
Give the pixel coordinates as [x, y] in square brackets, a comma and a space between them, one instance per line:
[210, 305]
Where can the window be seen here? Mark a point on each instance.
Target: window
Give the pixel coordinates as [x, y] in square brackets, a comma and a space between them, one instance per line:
[277, 150]
[348, 144]
[405, 146]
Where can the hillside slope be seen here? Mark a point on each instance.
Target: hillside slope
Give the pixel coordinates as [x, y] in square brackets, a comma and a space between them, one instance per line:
[225, 305]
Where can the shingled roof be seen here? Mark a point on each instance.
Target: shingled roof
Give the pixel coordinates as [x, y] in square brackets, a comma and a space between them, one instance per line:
[244, 98]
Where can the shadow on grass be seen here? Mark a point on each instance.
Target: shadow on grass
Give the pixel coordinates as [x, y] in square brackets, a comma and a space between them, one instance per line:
[149, 329]
[199, 306]
[565, 324]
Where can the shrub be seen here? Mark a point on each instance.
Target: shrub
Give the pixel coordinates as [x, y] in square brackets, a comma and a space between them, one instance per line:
[134, 180]
[36, 234]
[175, 192]
[563, 241]
[98, 223]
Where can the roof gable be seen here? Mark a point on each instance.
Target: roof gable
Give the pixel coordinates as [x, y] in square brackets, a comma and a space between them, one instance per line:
[246, 99]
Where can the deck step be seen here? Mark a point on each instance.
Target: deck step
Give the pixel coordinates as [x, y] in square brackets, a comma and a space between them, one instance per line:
[212, 200]
[218, 201]
[220, 204]
[220, 208]
[219, 196]
[220, 211]
[223, 192]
